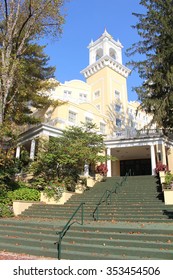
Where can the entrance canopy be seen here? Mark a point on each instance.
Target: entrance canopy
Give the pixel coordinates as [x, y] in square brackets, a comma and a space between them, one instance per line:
[147, 145]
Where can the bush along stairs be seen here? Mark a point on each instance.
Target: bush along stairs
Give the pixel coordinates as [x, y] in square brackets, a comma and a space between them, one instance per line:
[131, 223]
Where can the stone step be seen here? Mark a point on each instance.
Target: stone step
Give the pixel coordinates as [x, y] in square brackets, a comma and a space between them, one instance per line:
[107, 209]
[88, 242]
[142, 219]
[94, 236]
[137, 225]
[70, 254]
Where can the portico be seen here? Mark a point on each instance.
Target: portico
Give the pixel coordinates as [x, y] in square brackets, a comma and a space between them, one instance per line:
[30, 138]
[139, 153]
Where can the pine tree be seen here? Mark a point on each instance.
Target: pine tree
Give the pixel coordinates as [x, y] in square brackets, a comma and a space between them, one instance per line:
[30, 87]
[155, 27]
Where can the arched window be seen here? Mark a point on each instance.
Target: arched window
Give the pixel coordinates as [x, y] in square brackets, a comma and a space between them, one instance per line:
[112, 53]
[99, 54]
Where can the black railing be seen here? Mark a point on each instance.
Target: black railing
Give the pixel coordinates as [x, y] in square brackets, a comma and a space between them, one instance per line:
[107, 196]
[67, 227]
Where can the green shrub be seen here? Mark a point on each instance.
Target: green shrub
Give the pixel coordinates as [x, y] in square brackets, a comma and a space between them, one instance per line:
[21, 184]
[6, 210]
[24, 194]
[70, 183]
[168, 178]
[38, 183]
[54, 189]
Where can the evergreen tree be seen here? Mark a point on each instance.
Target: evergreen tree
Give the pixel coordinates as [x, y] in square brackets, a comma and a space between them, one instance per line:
[30, 89]
[155, 27]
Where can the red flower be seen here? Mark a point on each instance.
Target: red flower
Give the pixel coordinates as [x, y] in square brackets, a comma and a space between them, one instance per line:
[102, 169]
[161, 167]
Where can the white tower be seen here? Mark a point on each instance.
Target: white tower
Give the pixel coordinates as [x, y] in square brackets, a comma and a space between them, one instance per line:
[107, 77]
[105, 51]
[105, 46]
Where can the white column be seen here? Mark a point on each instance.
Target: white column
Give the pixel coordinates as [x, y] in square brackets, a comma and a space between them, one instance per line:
[153, 160]
[18, 152]
[32, 149]
[109, 174]
[163, 154]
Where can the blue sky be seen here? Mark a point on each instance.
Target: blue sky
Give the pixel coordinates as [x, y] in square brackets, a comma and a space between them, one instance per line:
[86, 20]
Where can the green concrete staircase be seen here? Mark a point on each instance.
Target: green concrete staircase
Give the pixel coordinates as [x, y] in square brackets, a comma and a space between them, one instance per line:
[62, 212]
[139, 200]
[91, 241]
[137, 225]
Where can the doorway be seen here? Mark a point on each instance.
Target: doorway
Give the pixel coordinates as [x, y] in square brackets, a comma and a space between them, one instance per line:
[137, 167]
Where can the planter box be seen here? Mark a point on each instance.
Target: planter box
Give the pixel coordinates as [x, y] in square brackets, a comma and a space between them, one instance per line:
[90, 182]
[65, 196]
[80, 188]
[168, 197]
[100, 178]
[161, 173]
[162, 176]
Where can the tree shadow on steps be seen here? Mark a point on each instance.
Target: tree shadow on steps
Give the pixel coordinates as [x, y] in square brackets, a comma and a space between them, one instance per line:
[169, 214]
[160, 197]
[159, 189]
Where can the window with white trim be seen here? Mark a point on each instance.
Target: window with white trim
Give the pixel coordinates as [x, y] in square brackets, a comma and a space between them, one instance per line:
[102, 127]
[98, 107]
[117, 94]
[118, 122]
[88, 120]
[72, 116]
[83, 96]
[117, 108]
[96, 94]
[67, 94]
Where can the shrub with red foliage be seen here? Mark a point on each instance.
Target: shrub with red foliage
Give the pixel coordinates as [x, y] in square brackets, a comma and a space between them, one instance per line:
[161, 167]
[102, 169]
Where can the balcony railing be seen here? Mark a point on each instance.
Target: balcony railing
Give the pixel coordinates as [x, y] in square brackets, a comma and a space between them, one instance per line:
[133, 133]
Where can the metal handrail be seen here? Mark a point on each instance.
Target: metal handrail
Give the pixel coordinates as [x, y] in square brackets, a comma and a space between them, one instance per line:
[108, 194]
[67, 227]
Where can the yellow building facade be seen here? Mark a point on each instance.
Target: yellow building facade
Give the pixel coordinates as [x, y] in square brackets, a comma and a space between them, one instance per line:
[103, 100]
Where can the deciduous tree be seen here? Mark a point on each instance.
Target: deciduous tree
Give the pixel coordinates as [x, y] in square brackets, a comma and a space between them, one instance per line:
[64, 157]
[22, 22]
